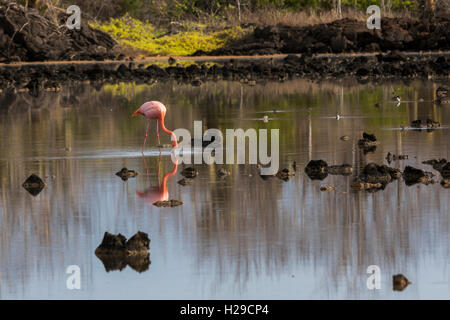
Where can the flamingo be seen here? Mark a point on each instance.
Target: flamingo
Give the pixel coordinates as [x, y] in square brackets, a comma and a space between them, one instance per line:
[160, 193]
[155, 110]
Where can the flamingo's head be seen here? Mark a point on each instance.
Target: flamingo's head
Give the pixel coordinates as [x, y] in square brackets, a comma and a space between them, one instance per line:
[138, 111]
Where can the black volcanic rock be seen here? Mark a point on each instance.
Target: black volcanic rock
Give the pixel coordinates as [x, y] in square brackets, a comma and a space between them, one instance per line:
[27, 35]
[34, 184]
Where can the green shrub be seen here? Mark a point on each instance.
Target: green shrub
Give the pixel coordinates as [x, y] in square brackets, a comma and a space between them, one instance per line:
[144, 36]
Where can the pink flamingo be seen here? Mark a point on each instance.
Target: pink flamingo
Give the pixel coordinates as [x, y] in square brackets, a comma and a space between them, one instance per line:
[155, 110]
[159, 193]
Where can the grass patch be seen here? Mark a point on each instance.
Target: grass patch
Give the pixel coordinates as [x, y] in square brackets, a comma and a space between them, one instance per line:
[144, 37]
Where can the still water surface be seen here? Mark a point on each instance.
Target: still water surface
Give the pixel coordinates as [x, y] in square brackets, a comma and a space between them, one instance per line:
[241, 237]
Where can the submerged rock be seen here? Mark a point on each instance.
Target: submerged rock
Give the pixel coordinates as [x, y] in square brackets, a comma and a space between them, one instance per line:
[189, 172]
[437, 164]
[360, 185]
[327, 188]
[319, 169]
[433, 124]
[368, 143]
[124, 174]
[374, 173]
[375, 177]
[285, 174]
[343, 169]
[445, 183]
[413, 175]
[34, 185]
[168, 203]
[369, 137]
[443, 167]
[389, 157]
[399, 282]
[416, 124]
[429, 123]
[442, 95]
[445, 171]
[392, 157]
[185, 181]
[395, 173]
[316, 169]
[222, 173]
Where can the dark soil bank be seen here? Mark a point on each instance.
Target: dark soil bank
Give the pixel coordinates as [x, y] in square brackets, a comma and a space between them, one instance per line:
[38, 77]
[346, 35]
[25, 35]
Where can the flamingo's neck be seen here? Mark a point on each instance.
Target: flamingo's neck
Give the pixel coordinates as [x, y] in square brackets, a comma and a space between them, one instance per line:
[174, 143]
[167, 176]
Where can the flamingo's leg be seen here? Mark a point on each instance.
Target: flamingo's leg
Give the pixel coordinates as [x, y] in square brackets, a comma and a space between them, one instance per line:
[145, 165]
[159, 166]
[157, 133]
[146, 134]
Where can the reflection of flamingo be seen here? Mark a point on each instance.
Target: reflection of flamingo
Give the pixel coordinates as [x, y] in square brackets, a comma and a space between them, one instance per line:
[155, 110]
[160, 193]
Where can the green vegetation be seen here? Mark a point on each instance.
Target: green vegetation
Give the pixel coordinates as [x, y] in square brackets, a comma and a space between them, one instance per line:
[143, 36]
[165, 11]
[181, 27]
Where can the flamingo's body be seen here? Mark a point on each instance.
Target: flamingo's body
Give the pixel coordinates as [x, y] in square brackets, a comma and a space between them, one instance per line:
[157, 111]
[160, 193]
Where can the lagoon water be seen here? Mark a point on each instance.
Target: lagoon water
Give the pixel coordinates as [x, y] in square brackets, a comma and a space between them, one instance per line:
[241, 237]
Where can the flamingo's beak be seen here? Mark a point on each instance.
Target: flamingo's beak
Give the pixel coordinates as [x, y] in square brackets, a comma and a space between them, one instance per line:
[135, 113]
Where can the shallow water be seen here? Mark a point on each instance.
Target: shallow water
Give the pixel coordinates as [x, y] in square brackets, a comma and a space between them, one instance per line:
[241, 237]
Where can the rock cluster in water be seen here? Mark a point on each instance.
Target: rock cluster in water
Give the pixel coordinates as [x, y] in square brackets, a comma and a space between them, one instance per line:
[116, 252]
[374, 177]
[319, 169]
[429, 123]
[443, 166]
[392, 157]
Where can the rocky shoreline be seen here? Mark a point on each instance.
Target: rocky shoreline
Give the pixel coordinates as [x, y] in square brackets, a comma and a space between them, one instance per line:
[26, 35]
[393, 65]
[345, 35]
